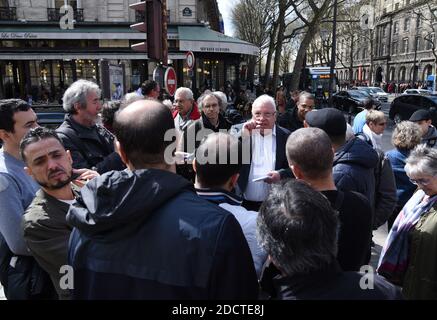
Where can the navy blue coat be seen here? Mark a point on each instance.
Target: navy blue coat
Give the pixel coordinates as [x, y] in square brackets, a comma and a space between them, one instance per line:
[354, 166]
[145, 234]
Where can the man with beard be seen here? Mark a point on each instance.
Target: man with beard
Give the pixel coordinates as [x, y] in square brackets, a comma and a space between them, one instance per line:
[46, 231]
[293, 118]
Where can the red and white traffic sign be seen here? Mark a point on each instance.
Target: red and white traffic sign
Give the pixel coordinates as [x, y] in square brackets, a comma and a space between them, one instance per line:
[170, 81]
[190, 60]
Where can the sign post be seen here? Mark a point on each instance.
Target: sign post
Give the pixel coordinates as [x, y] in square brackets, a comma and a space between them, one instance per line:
[190, 60]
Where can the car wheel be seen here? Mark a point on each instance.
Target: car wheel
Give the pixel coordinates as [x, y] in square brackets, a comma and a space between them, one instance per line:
[397, 118]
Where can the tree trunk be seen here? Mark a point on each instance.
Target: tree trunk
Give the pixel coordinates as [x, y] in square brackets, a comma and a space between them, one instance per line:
[371, 59]
[280, 39]
[351, 64]
[270, 54]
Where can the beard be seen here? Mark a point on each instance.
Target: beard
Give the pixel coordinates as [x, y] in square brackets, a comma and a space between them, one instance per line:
[58, 184]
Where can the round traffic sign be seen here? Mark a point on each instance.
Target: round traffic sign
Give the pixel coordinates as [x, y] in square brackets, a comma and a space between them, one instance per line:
[170, 82]
[190, 59]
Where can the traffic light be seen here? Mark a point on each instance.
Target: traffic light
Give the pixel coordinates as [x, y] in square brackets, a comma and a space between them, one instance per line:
[153, 26]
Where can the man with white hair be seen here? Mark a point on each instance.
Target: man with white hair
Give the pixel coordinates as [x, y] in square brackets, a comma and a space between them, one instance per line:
[268, 162]
[186, 110]
[91, 145]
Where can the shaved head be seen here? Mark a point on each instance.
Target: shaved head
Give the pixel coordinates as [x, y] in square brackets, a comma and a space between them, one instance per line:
[140, 129]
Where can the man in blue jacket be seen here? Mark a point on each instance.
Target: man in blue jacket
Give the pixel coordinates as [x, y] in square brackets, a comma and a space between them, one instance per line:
[143, 233]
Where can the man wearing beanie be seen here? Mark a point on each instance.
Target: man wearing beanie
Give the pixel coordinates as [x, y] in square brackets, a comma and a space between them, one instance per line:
[429, 133]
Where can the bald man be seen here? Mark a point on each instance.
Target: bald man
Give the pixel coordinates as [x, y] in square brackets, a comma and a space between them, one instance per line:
[147, 234]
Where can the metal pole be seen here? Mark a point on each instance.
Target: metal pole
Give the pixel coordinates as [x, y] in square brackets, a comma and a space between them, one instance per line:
[334, 47]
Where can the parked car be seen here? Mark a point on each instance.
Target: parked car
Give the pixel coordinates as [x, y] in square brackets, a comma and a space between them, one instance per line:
[375, 92]
[417, 91]
[352, 101]
[405, 105]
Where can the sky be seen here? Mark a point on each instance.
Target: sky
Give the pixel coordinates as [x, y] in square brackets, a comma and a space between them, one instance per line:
[225, 7]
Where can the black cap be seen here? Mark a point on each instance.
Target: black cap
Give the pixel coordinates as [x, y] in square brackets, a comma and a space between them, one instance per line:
[329, 120]
[420, 115]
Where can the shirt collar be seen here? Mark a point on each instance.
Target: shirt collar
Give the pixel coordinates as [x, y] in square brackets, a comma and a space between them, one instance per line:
[219, 196]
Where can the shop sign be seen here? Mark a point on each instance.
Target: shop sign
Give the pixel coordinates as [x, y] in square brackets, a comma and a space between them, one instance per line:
[18, 35]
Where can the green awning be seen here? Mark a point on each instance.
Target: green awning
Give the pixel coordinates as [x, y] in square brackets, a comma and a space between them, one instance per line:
[202, 39]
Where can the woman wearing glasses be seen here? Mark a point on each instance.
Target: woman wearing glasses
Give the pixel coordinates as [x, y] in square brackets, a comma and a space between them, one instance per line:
[406, 136]
[409, 257]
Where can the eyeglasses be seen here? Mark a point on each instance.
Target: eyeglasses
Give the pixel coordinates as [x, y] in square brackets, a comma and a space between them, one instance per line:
[266, 115]
[422, 182]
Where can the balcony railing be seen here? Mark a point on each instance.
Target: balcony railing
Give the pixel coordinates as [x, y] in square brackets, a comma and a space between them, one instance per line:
[53, 14]
[8, 13]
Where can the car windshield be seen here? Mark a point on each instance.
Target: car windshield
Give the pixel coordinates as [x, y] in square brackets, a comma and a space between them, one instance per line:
[358, 94]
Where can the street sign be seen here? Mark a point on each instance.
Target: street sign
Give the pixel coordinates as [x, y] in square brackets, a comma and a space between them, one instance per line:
[170, 82]
[190, 60]
[158, 75]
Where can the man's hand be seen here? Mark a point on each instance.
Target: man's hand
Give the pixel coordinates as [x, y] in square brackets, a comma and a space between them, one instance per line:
[84, 176]
[273, 177]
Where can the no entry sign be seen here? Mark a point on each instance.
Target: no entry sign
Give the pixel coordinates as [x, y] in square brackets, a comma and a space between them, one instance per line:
[170, 82]
[190, 60]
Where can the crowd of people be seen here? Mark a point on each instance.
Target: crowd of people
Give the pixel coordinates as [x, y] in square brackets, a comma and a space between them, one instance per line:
[158, 198]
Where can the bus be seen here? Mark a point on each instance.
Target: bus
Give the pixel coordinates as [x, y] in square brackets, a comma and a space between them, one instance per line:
[431, 83]
[312, 79]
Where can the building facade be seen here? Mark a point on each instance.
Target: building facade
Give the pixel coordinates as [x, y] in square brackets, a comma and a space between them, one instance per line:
[399, 48]
[39, 58]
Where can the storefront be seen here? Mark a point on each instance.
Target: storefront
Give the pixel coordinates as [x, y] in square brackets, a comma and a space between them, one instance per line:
[38, 61]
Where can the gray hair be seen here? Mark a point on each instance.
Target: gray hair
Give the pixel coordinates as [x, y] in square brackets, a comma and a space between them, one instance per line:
[186, 92]
[406, 135]
[77, 93]
[204, 96]
[223, 100]
[129, 98]
[311, 150]
[422, 161]
[262, 100]
[298, 228]
[306, 95]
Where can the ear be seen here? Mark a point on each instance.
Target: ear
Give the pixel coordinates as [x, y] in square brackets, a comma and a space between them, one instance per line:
[121, 152]
[77, 107]
[194, 165]
[4, 134]
[234, 180]
[296, 171]
[69, 157]
[28, 171]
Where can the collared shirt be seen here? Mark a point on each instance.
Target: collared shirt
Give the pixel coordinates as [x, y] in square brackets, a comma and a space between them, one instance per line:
[263, 161]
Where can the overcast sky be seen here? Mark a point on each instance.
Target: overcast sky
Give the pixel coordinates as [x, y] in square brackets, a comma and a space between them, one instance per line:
[225, 7]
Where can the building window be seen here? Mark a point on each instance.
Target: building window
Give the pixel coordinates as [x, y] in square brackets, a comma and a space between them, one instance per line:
[364, 53]
[434, 15]
[407, 2]
[60, 3]
[405, 46]
[430, 38]
[394, 48]
[396, 6]
[418, 43]
[395, 27]
[407, 24]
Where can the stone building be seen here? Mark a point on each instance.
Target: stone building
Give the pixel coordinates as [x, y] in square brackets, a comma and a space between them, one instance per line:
[39, 59]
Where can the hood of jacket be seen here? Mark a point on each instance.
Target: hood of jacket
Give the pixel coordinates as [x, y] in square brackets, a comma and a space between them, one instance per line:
[358, 152]
[116, 203]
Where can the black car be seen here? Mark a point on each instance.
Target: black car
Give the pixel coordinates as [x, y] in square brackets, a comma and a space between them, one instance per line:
[405, 105]
[352, 101]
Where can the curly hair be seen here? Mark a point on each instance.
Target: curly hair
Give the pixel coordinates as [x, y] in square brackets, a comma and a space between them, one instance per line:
[406, 135]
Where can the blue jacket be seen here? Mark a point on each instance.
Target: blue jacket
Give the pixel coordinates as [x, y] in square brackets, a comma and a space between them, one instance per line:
[145, 234]
[353, 170]
[404, 187]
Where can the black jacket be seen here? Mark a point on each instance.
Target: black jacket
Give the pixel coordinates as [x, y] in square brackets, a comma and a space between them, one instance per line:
[353, 170]
[290, 120]
[91, 148]
[145, 234]
[331, 283]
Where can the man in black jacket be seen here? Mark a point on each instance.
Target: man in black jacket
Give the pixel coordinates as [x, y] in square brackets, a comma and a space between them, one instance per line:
[143, 233]
[298, 229]
[91, 145]
[293, 118]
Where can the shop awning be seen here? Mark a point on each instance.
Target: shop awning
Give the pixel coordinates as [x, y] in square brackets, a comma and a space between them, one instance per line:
[202, 39]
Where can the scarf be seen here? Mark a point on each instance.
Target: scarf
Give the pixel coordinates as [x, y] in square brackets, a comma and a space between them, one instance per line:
[393, 262]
